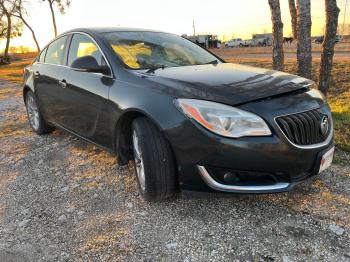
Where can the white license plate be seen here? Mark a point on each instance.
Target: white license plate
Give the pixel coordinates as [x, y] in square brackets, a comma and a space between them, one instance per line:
[326, 160]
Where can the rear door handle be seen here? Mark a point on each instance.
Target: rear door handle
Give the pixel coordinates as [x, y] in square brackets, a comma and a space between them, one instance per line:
[63, 83]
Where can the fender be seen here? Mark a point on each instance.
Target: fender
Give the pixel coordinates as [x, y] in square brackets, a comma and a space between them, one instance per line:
[144, 102]
[28, 81]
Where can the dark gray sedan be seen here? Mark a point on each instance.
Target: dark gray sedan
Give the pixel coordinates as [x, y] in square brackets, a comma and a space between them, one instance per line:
[186, 118]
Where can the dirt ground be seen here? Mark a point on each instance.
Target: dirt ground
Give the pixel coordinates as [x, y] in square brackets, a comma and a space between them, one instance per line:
[62, 199]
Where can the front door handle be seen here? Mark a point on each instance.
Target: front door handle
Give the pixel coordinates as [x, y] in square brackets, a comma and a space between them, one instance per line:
[63, 83]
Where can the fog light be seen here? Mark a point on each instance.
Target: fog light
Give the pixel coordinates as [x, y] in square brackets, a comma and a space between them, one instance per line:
[231, 177]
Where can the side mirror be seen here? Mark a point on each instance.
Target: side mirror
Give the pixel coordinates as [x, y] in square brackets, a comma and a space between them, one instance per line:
[89, 64]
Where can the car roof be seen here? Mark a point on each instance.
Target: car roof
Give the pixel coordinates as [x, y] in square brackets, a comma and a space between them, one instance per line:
[99, 30]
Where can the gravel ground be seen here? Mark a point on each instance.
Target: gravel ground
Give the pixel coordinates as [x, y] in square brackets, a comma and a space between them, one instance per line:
[62, 199]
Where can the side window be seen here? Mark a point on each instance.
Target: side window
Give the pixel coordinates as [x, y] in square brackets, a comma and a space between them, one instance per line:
[42, 56]
[55, 51]
[82, 45]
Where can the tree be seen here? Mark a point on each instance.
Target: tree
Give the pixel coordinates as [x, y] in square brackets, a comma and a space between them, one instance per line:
[7, 27]
[304, 38]
[293, 16]
[277, 28]
[20, 12]
[3, 27]
[332, 13]
[62, 5]
[6, 10]
[16, 28]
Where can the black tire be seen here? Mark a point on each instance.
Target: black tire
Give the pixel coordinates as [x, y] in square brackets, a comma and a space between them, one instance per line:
[160, 180]
[41, 127]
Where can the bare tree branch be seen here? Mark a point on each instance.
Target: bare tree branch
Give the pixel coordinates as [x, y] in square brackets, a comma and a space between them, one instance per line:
[20, 12]
[62, 6]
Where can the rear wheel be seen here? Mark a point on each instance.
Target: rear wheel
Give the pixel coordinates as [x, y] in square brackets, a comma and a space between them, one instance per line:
[36, 121]
[154, 161]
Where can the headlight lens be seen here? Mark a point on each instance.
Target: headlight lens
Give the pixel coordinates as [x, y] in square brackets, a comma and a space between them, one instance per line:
[222, 119]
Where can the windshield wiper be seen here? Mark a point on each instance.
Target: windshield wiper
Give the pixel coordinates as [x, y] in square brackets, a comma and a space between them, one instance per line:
[154, 68]
[214, 62]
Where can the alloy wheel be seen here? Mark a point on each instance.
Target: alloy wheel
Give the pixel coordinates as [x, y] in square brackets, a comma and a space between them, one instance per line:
[140, 171]
[33, 112]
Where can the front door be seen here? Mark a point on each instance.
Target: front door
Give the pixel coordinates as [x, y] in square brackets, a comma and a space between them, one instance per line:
[85, 94]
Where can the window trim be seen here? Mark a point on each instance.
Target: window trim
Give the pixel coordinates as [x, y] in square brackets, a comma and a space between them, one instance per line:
[111, 75]
[70, 34]
[42, 51]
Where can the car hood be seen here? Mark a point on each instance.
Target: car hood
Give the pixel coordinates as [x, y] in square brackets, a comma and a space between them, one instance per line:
[225, 82]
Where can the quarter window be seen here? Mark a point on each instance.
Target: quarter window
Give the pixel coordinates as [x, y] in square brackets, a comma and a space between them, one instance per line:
[55, 51]
[83, 45]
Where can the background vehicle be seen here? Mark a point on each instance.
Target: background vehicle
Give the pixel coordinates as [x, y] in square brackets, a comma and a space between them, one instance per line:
[248, 43]
[262, 39]
[237, 42]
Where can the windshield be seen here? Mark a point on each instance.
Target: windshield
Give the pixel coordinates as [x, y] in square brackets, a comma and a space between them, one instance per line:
[147, 50]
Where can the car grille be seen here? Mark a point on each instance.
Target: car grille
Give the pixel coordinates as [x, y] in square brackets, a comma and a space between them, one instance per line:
[304, 128]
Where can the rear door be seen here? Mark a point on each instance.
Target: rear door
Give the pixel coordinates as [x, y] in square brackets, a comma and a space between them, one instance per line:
[48, 72]
[85, 95]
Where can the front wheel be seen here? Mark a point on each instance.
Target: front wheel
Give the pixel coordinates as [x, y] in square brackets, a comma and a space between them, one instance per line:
[36, 120]
[154, 161]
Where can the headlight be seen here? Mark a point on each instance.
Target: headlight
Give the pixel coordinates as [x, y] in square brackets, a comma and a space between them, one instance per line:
[222, 119]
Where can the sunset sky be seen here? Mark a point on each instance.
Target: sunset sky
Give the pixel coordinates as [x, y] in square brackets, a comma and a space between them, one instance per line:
[226, 18]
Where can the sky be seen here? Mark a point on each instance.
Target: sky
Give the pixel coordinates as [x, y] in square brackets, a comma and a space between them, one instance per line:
[225, 18]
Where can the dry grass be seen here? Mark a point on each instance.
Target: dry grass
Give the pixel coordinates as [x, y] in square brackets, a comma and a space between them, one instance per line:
[14, 71]
[94, 162]
[101, 234]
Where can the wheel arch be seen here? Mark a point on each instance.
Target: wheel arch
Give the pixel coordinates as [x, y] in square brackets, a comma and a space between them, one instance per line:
[122, 140]
[26, 89]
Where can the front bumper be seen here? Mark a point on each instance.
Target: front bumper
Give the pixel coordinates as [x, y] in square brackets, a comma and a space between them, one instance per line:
[262, 182]
[262, 164]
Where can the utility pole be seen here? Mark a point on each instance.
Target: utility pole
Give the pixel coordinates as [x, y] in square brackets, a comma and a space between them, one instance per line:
[194, 29]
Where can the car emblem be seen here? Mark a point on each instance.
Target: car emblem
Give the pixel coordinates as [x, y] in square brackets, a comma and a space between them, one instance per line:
[324, 127]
